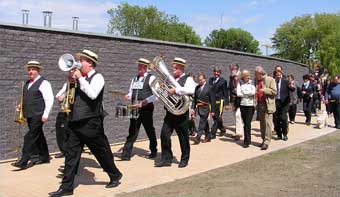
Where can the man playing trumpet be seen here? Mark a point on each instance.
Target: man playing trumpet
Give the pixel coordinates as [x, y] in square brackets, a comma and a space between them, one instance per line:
[86, 125]
[141, 94]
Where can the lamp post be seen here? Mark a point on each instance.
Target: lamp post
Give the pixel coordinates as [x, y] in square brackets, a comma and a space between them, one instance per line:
[267, 46]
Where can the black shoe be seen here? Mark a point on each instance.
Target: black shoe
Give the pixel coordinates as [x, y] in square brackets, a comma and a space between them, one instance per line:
[59, 155]
[114, 182]
[125, 158]
[245, 145]
[163, 164]
[264, 147]
[307, 123]
[213, 137]
[261, 144]
[183, 164]
[152, 155]
[285, 138]
[40, 162]
[20, 165]
[196, 140]
[279, 138]
[61, 192]
[222, 133]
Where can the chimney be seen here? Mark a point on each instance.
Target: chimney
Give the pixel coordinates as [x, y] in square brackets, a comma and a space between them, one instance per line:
[25, 17]
[47, 18]
[75, 23]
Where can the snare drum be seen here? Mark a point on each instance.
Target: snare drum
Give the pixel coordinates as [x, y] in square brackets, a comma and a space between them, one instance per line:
[127, 111]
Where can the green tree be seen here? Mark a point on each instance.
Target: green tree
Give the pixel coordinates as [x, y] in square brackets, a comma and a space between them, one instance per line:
[234, 39]
[310, 38]
[148, 22]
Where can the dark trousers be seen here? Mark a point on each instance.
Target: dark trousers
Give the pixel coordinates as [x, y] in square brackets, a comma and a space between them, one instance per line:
[90, 132]
[292, 112]
[335, 108]
[218, 123]
[34, 141]
[307, 109]
[247, 113]
[280, 118]
[203, 126]
[180, 125]
[145, 118]
[61, 134]
[191, 126]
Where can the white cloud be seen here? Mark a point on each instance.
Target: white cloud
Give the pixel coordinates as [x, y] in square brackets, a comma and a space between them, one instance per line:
[92, 14]
[203, 24]
[257, 3]
[252, 19]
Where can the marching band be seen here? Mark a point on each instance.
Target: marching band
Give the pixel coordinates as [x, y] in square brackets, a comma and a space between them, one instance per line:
[80, 121]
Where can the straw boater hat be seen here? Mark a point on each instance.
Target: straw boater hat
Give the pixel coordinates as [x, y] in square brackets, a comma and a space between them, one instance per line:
[88, 54]
[143, 61]
[179, 61]
[33, 63]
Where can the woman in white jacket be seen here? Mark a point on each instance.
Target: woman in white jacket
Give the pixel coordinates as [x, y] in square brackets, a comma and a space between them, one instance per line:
[246, 91]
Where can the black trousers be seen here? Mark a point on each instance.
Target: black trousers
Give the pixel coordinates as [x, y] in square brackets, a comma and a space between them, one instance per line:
[180, 125]
[34, 141]
[90, 132]
[280, 118]
[203, 126]
[218, 122]
[247, 113]
[145, 118]
[307, 109]
[292, 112]
[335, 108]
[61, 134]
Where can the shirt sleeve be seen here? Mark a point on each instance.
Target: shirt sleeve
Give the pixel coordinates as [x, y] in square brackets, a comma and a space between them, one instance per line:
[130, 90]
[47, 93]
[188, 89]
[61, 91]
[151, 98]
[92, 89]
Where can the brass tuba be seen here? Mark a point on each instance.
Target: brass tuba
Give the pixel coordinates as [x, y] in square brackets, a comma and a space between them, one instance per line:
[176, 104]
[20, 119]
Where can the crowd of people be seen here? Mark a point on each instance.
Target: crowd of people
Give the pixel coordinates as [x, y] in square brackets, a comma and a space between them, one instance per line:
[273, 95]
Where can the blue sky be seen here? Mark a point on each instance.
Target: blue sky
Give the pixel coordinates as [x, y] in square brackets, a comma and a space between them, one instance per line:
[259, 17]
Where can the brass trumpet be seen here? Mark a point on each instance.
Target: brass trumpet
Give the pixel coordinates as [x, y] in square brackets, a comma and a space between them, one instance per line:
[69, 97]
[20, 119]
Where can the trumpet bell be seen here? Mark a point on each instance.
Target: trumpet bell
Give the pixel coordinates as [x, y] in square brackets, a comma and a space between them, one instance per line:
[20, 120]
[67, 62]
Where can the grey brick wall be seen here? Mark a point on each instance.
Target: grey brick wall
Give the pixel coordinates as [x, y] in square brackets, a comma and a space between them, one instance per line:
[117, 57]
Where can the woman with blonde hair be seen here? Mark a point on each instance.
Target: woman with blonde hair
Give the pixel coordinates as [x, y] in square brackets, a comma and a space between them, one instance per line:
[246, 91]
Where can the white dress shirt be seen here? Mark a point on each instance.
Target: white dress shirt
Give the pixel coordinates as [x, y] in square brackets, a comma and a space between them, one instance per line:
[149, 99]
[188, 88]
[92, 89]
[47, 93]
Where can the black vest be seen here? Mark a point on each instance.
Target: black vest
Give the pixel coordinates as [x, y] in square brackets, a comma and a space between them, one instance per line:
[182, 80]
[83, 106]
[142, 93]
[33, 100]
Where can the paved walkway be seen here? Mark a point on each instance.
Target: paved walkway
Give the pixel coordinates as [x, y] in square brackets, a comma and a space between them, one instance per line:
[140, 173]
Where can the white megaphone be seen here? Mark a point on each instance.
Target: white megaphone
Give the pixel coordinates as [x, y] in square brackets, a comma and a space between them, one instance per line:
[67, 62]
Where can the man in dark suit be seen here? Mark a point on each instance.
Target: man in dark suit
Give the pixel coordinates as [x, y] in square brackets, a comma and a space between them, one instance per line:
[282, 99]
[204, 102]
[307, 91]
[220, 89]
